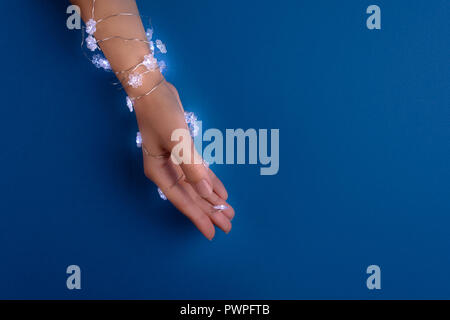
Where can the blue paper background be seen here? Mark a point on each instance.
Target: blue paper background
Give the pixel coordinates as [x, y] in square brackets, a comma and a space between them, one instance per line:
[364, 123]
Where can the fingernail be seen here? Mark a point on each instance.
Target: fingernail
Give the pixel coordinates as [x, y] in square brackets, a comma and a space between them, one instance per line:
[203, 188]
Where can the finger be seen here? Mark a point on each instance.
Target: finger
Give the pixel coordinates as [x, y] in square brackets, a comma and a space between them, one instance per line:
[198, 177]
[181, 199]
[215, 200]
[220, 220]
[217, 216]
[195, 174]
[167, 175]
[184, 154]
[202, 178]
[229, 211]
[218, 186]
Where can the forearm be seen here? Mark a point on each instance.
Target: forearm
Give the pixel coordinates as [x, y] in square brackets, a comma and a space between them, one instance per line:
[122, 55]
[189, 185]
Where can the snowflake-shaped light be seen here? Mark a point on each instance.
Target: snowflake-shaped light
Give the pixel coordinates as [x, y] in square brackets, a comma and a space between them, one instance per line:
[161, 46]
[101, 62]
[220, 207]
[138, 139]
[150, 62]
[129, 104]
[135, 80]
[91, 43]
[91, 26]
[162, 65]
[152, 46]
[149, 34]
[161, 194]
[191, 120]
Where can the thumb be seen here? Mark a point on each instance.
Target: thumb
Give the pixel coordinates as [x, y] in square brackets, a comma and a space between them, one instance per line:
[197, 176]
[183, 153]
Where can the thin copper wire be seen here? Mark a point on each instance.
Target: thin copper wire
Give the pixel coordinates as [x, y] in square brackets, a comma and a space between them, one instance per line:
[148, 92]
[161, 156]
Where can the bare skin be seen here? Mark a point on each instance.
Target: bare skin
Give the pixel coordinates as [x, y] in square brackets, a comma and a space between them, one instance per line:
[193, 188]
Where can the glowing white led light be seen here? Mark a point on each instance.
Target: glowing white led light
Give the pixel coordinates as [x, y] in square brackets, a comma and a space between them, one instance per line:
[101, 62]
[138, 139]
[161, 46]
[135, 80]
[91, 43]
[130, 104]
[162, 66]
[220, 207]
[161, 194]
[149, 34]
[150, 62]
[91, 26]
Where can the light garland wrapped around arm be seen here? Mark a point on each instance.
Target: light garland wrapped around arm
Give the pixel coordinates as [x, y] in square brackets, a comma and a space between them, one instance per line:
[134, 76]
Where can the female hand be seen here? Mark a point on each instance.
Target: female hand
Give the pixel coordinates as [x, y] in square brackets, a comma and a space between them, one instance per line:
[192, 187]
